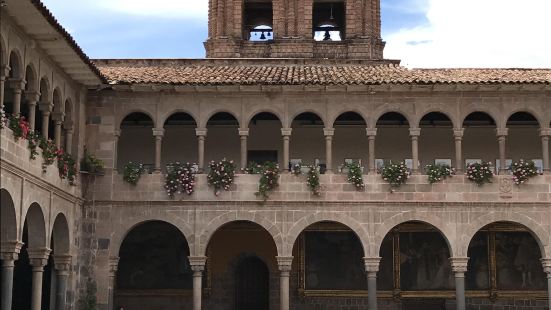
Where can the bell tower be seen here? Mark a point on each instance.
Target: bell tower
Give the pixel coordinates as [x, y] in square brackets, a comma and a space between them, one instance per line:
[322, 29]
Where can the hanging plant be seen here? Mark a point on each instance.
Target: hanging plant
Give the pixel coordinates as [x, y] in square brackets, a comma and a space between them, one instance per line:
[313, 180]
[438, 173]
[67, 166]
[354, 176]
[395, 174]
[295, 170]
[480, 173]
[252, 168]
[19, 126]
[523, 170]
[48, 153]
[3, 119]
[180, 178]
[221, 175]
[268, 180]
[133, 172]
[91, 164]
[33, 139]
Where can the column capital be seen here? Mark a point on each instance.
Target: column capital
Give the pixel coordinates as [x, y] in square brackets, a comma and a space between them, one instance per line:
[284, 263]
[113, 265]
[62, 264]
[117, 133]
[372, 264]
[4, 71]
[328, 132]
[46, 106]
[158, 132]
[502, 132]
[32, 97]
[459, 264]
[197, 263]
[201, 132]
[68, 125]
[286, 131]
[371, 132]
[458, 132]
[38, 257]
[546, 262]
[243, 132]
[545, 132]
[58, 117]
[17, 84]
[9, 250]
[414, 132]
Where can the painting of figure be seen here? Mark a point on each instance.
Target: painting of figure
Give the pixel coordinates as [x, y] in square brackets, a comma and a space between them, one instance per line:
[477, 276]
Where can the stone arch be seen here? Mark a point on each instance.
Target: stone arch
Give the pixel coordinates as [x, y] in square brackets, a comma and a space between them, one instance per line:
[44, 88]
[130, 224]
[31, 77]
[68, 110]
[3, 52]
[394, 109]
[233, 216]
[168, 114]
[57, 100]
[492, 114]
[204, 121]
[425, 112]
[447, 231]
[132, 111]
[8, 218]
[61, 235]
[539, 233]
[336, 217]
[16, 64]
[263, 110]
[342, 111]
[299, 112]
[535, 114]
[36, 225]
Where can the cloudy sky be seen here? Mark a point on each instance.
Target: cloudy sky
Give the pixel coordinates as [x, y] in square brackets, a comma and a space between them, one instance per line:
[422, 33]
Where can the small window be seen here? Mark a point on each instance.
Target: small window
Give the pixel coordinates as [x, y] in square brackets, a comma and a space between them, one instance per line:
[261, 33]
[258, 21]
[328, 19]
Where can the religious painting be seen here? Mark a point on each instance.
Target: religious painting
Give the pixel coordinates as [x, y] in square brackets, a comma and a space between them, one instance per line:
[518, 262]
[385, 276]
[443, 162]
[333, 261]
[424, 262]
[478, 269]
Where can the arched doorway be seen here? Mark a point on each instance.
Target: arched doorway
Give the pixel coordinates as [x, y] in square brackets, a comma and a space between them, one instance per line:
[252, 284]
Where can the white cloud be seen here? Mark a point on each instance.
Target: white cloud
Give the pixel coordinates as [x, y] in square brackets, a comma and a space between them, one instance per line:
[196, 9]
[477, 33]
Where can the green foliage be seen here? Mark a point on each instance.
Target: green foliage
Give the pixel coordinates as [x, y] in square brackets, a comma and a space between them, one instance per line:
[480, 173]
[354, 176]
[269, 178]
[395, 174]
[67, 166]
[49, 153]
[221, 175]
[523, 170]
[313, 180]
[33, 139]
[91, 163]
[253, 168]
[90, 300]
[180, 178]
[438, 173]
[133, 172]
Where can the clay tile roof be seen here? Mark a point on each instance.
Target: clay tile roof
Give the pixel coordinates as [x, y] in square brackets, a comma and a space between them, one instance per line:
[205, 73]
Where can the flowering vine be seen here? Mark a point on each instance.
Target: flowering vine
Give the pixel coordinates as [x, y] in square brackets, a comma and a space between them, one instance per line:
[221, 175]
[3, 118]
[33, 142]
[66, 166]
[395, 174]
[252, 168]
[49, 153]
[313, 180]
[180, 179]
[523, 170]
[295, 170]
[268, 179]
[133, 172]
[438, 172]
[19, 126]
[354, 176]
[480, 173]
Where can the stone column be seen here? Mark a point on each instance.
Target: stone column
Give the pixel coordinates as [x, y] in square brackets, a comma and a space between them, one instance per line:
[501, 137]
[197, 264]
[32, 99]
[62, 265]
[243, 134]
[113, 267]
[547, 269]
[286, 133]
[414, 133]
[545, 135]
[46, 109]
[17, 87]
[372, 267]
[328, 133]
[284, 264]
[158, 134]
[116, 136]
[371, 134]
[458, 137]
[38, 258]
[9, 253]
[68, 137]
[4, 72]
[201, 134]
[459, 268]
[58, 118]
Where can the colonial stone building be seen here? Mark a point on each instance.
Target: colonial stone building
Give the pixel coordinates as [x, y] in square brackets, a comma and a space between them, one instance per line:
[295, 82]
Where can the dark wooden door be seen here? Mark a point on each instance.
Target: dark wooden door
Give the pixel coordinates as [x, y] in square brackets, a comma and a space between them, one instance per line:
[252, 287]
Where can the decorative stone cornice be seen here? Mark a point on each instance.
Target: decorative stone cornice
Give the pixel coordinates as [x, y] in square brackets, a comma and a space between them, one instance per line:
[546, 262]
[371, 132]
[286, 131]
[9, 251]
[502, 132]
[372, 264]
[545, 132]
[201, 132]
[45, 106]
[58, 117]
[17, 84]
[459, 265]
[32, 97]
[197, 263]
[38, 257]
[62, 264]
[284, 263]
[328, 132]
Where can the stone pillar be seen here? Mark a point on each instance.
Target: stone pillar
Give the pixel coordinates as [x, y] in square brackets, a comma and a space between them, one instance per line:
[62, 265]
[201, 134]
[371, 134]
[286, 133]
[116, 136]
[17, 87]
[158, 134]
[38, 258]
[58, 118]
[46, 109]
[501, 137]
[32, 99]
[372, 267]
[9, 253]
[197, 264]
[414, 133]
[68, 137]
[284, 264]
[113, 267]
[459, 268]
[4, 72]
[547, 269]
[243, 134]
[545, 135]
[458, 137]
[328, 133]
